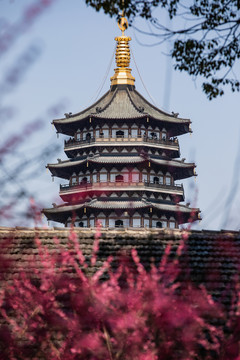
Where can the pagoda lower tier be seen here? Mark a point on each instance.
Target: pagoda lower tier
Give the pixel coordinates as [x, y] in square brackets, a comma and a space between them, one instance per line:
[123, 212]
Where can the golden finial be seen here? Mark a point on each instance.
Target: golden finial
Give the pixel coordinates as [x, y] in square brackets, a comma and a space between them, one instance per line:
[123, 23]
[122, 74]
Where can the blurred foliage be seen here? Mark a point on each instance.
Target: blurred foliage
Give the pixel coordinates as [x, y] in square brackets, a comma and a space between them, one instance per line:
[208, 44]
[54, 310]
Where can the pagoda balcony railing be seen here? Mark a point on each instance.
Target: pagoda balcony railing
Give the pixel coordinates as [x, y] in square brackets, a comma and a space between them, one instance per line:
[120, 139]
[119, 184]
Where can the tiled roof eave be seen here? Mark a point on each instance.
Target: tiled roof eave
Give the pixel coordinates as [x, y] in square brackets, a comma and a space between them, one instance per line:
[99, 116]
[108, 106]
[172, 163]
[87, 111]
[118, 204]
[98, 204]
[170, 118]
[121, 159]
[65, 163]
[206, 253]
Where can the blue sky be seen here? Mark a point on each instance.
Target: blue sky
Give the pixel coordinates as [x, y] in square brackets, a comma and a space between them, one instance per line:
[71, 47]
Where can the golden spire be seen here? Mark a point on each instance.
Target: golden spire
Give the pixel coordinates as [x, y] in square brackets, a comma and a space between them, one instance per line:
[122, 74]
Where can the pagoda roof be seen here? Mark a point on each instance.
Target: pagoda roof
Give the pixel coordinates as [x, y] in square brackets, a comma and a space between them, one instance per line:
[61, 169]
[98, 204]
[67, 209]
[123, 102]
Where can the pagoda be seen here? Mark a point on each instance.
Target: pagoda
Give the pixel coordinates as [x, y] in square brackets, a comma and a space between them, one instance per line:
[123, 159]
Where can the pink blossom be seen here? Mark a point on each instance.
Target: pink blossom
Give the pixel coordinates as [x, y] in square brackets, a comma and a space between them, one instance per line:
[60, 312]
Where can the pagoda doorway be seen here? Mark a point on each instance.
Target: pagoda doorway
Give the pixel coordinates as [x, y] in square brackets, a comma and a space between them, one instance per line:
[88, 136]
[120, 134]
[119, 178]
[159, 224]
[118, 223]
[156, 180]
[84, 181]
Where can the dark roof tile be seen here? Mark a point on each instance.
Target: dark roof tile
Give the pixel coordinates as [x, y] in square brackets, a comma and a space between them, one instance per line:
[210, 258]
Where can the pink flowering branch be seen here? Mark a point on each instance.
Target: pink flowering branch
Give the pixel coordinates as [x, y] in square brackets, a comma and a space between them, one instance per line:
[30, 15]
[59, 311]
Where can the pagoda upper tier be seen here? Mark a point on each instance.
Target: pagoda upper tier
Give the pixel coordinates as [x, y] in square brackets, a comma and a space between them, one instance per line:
[179, 169]
[121, 103]
[123, 160]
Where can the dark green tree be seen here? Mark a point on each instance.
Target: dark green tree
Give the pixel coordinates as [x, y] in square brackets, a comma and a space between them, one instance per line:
[208, 46]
